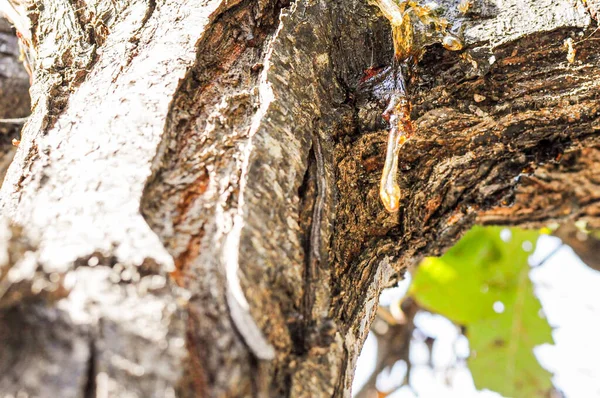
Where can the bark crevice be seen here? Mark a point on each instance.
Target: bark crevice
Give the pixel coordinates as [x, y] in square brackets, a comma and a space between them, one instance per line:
[191, 199]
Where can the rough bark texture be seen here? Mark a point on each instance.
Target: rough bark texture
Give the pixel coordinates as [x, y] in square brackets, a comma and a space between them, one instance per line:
[194, 204]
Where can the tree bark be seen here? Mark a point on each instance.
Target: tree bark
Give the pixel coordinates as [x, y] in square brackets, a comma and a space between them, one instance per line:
[194, 204]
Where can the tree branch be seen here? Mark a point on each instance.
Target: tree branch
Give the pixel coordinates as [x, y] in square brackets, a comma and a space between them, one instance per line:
[245, 135]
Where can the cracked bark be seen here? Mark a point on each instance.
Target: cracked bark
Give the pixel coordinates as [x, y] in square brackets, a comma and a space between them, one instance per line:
[196, 189]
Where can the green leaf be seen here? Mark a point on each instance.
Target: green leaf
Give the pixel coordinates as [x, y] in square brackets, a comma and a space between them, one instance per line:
[480, 272]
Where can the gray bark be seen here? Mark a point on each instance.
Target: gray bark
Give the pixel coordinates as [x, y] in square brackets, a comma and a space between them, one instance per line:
[193, 207]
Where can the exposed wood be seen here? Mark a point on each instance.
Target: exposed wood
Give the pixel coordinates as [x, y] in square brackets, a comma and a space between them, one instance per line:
[207, 175]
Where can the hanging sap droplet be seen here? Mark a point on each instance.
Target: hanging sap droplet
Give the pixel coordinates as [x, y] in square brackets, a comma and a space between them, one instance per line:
[389, 190]
[398, 114]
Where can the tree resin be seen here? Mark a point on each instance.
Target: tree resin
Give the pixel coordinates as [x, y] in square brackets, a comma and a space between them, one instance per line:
[414, 26]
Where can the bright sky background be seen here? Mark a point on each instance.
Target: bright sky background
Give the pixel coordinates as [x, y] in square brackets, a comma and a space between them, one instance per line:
[570, 296]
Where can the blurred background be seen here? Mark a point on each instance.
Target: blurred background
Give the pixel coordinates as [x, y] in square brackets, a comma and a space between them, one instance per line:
[14, 94]
[522, 320]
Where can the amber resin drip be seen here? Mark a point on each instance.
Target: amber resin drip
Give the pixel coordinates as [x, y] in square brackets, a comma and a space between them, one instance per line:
[398, 116]
[413, 27]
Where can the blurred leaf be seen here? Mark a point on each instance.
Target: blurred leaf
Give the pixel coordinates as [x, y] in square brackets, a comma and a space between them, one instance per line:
[483, 283]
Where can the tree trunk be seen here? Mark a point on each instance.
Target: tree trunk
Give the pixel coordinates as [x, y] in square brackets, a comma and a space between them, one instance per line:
[194, 203]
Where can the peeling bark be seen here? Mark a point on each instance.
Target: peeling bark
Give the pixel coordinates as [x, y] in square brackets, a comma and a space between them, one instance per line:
[198, 183]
